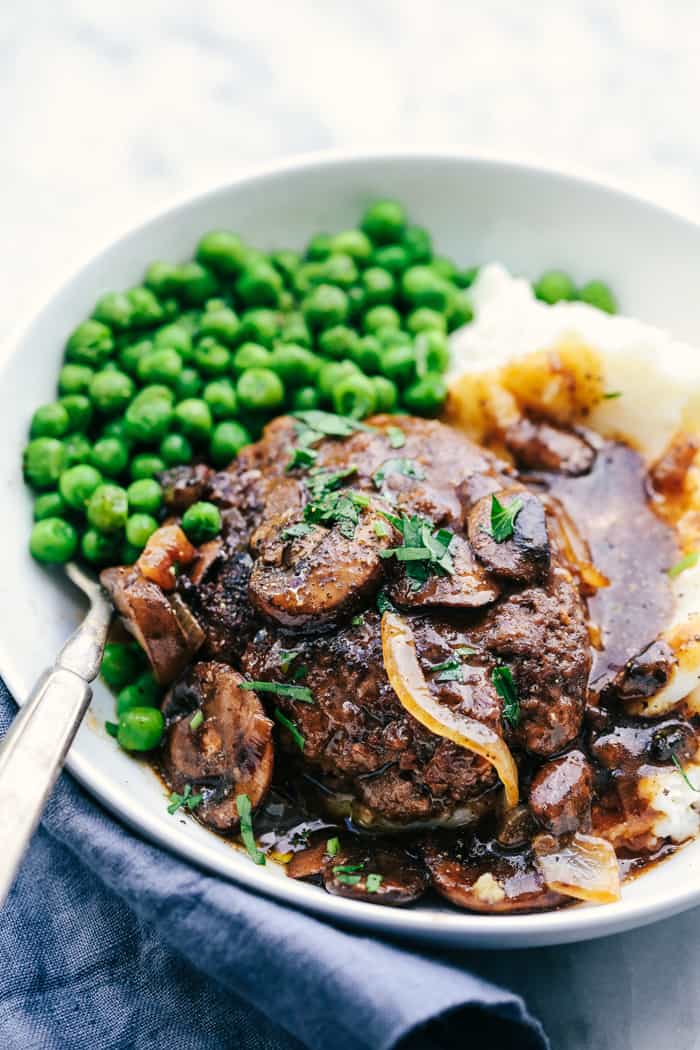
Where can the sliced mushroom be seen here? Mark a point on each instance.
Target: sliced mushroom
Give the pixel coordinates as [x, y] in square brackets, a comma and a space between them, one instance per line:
[162, 624]
[376, 873]
[474, 874]
[562, 792]
[647, 673]
[468, 587]
[625, 748]
[523, 556]
[307, 862]
[228, 753]
[540, 446]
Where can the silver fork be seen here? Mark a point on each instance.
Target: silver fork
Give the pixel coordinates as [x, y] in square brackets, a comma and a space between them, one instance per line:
[32, 753]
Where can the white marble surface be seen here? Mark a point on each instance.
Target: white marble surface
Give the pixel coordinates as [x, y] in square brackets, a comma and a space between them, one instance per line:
[107, 110]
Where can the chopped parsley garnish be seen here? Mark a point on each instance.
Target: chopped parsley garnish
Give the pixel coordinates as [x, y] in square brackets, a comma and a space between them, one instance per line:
[451, 670]
[287, 658]
[683, 773]
[349, 880]
[312, 426]
[503, 518]
[294, 531]
[407, 467]
[425, 550]
[396, 437]
[611, 395]
[383, 604]
[502, 678]
[373, 882]
[332, 846]
[688, 562]
[358, 621]
[302, 457]
[288, 724]
[320, 481]
[299, 672]
[184, 801]
[381, 529]
[337, 508]
[338, 868]
[112, 728]
[294, 692]
[245, 815]
[196, 720]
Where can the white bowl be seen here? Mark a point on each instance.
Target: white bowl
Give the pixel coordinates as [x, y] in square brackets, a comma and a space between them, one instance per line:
[477, 210]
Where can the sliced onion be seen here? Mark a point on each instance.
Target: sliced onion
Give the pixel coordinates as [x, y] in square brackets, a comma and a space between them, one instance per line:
[585, 867]
[166, 550]
[409, 684]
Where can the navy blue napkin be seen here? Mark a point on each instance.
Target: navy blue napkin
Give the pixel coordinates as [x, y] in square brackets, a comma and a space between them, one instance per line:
[108, 941]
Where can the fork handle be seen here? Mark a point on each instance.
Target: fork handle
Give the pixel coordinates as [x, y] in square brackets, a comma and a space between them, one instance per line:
[32, 753]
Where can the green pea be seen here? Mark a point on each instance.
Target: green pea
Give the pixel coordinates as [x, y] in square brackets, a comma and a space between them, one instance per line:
[392, 257]
[339, 341]
[465, 278]
[76, 449]
[307, 277]
[155, 392]
[598, 294]
[197, 283]
[378, 285]
[381, 317]
[145, 495]
[176, 336]
[354, 243]
[187, 384]
[146, 465]
[393, 337]
[221, 324]
[89, 344]
[212, 358]
[355, 396]
[417, 243]
[319, 247]
[295, 365]
[99, 549]
[75, 379]
[554, 286]
[334, 373]
[107, 508]
[340, 270]
[227, 440]
[220, 395]
[144, 692]
[424, 318]
[260, 390]
[51, 420]
[460, 311]
[110, 455]
[259, 284]
[368, 355]
[163, 278]
[175, 449]
[113, 310]
[111, 391]
[140, 729]
[201, 522]
[260, 326]
[384, 222]
[426, 396]
[250, 355]
[53, 540]
[160, 366]
[193, 418]
[444, 267]
[325, 306]
[399, 364]
[357, 301]
[79, 412]
[115, 428]
[78, 483]
[49, 505]
[148, 419]
[145, 307]
[286, 263]
[432, 352]
[121, 663]
[171, 308]
[295, 330]
[223, 251]
[305, 398]
[386, 394]
[130, 355]
[138, 529]
[42, 462]
[421, 286]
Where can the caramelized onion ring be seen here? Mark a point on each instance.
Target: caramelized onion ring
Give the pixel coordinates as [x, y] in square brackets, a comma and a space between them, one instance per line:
[585, 867]
[409, 684]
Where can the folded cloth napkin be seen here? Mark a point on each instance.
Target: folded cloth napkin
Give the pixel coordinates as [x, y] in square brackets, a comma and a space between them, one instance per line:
[108, 941]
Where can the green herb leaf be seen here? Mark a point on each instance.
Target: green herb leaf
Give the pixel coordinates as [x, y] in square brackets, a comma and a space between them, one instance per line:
[406, 467]
[503, 518]
[449, 670]
[502, 678]
[294, 692]
[383, 604]
[332, 846]
[425, 549]
[347, 867]
[381, 529]
[299, 672]
[688, 562]
[349, 880]
[396, 437]
[612, 395]
[288, 724]
[683, 773]
[196, 720]
[112, 728]
[303, 456]
[186, 800]
[245, 815]
[294, 531]
[373, 882]
[337, 508]
[287, 658]
[321, 481]
[328, 424]
[358, 621]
